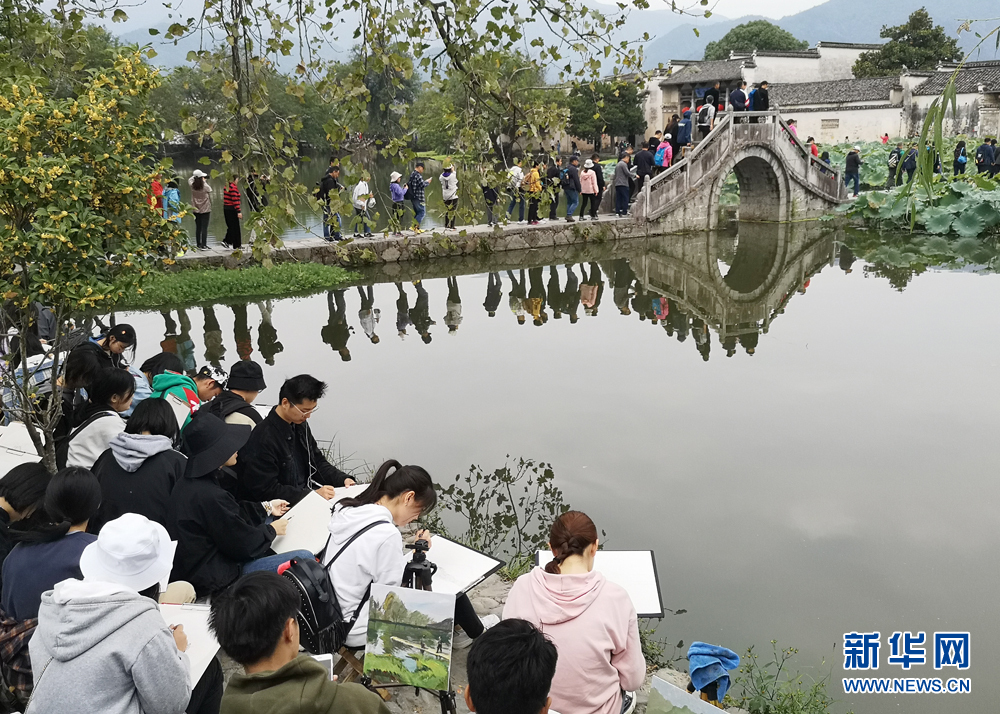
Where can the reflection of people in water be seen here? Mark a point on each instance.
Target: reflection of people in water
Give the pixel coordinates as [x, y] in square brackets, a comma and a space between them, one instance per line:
[702, 337]
[368, 315]
[420, 315]
[169, 342]
[185, 345]
[661, 309]
[846, 259]
[681, 323]
[494, 293]
[517, 296]
[536, 297]
[749, 342]
[622, 279]
[267, 336]
[337, 332]
[571, 295]
[244, 344]
[729, 345]
[453, 316]
[215, 350]
[641, 302]
[555, 296]
[402, 312]
[591, 289]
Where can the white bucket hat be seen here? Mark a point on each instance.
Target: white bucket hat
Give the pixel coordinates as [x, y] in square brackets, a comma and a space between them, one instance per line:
[395, 176]
[588, 164]
[198, 173]
[132, 551]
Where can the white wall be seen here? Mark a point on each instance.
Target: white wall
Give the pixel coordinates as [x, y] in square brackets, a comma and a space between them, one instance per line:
[786, 70]
[857, 124]
[836, 62]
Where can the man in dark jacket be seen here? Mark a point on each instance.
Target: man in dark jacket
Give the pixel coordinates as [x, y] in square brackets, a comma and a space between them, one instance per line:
[852, 169]
[571, 186]
[330, 183]
[552, 176]
[984, 157]
[655, 140]
[738, 98]
[219, 538]
[643, 168]
[235, 404]
[281, 459]
[761, 100]
[712, 95]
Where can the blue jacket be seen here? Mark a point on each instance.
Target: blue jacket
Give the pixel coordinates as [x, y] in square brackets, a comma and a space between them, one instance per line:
[684, 129]
[738, 100]
[171, 203]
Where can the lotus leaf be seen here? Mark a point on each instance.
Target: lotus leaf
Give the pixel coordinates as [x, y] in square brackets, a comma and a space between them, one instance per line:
[960, 186]
[987, 213]
[968, 225]
[937, 245]
[967, 248]
[937, 220]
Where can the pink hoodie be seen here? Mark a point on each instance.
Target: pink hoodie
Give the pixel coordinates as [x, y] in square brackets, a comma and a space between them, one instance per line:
[594, 627]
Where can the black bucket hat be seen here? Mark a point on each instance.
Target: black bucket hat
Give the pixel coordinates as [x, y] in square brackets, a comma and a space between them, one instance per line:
[246, 376]
[209, 442]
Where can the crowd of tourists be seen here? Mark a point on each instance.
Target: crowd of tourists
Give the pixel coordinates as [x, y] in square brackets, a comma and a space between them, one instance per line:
[172, 486]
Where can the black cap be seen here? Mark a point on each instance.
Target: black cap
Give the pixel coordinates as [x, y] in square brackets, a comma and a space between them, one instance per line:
[210, 442]
[246, 375]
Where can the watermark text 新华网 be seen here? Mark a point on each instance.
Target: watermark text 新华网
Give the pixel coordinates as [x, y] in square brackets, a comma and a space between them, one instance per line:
[906, 650]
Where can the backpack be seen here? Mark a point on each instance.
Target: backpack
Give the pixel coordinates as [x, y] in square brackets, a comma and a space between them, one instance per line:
[321, 619]
[660, 156]
[751, 99]
[703, 117]
[564, 178]
[981, 154]
[893, 159]
[62, 444]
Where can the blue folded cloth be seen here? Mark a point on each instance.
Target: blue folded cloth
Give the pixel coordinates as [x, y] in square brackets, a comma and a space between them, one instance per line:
[710, 663]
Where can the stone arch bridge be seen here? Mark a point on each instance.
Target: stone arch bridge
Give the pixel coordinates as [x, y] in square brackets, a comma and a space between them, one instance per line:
[780, 180]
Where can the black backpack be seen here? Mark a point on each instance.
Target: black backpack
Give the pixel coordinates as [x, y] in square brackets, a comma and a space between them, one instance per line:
[321, 620]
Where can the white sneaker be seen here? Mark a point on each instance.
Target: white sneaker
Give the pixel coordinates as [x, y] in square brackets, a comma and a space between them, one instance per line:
[628, 702]
[462, 641]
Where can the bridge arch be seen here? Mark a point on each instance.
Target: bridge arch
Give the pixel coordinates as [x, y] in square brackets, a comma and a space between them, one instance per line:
[761, 251]
[765, 192]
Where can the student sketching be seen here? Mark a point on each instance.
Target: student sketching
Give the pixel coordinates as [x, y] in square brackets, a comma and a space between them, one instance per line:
[255, 623]
[219, 538]
[22, 493]
[139, 470]
[510, 669]
[590, 620]
[109, 393]
[51, 553]
[494, 293]
[102, 644]
[397, 496]
[281, 458]
[336, 333]
[234, 405]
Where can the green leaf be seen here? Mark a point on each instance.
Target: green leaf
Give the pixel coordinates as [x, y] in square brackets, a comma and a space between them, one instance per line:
[119, 16]
[969, 225]
[205, 161]
[937, 220]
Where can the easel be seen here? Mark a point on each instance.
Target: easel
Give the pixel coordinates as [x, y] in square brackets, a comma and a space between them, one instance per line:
[447, 699]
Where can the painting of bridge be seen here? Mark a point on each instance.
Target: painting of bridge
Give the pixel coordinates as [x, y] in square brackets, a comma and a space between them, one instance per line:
[410, 637]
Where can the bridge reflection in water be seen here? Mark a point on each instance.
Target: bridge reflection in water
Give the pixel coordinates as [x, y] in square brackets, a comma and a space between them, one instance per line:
[731, 283]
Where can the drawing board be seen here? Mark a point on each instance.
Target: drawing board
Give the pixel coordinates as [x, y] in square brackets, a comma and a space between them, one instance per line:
[634, 570]
[459, 568]
[202, 645]
[308, 521]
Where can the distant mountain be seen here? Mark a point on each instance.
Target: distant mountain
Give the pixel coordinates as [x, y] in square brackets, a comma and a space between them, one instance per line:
[833, 21]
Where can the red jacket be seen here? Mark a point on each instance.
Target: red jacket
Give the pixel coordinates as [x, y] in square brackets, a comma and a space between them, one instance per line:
[231, 197]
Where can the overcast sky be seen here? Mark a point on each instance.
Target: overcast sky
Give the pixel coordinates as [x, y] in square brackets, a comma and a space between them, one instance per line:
[769, 8]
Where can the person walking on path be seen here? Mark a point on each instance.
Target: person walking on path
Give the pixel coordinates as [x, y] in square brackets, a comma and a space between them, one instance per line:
[515, 178]
[415, 186]
[621, 184]
[588, 188]
[552, 176]
[449, 193]
[738, 98]
[533, 187]
[231, 209]
[984, 157]
[683, 132]
[398, 194]
[664, 155]
[670, 133]
[362, 198]
[761, 99]
[655, 141]
[996, 158]
[852, 169]
[895, 175]
[643, 167]
[713, 95]
[813, 149]
[599, 172]
[171, 202]
[330, 184]
[490, 196]
[571, 186]
[910, 162]
[201, 203]
[706, 118]
[961, 159]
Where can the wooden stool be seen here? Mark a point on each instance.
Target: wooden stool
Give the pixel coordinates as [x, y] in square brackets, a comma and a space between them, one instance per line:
[348, 668]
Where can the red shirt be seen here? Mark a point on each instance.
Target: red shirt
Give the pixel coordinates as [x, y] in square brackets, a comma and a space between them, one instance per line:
[157, 198]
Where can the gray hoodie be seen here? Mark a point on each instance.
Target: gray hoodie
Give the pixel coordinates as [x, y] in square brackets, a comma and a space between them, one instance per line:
[132, 450]
[101, 647]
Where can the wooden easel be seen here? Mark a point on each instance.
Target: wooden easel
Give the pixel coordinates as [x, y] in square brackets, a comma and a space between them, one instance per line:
[349, 668]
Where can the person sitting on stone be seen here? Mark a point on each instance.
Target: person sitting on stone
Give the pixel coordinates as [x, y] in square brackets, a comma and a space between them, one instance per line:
[282, 459]
[255, 622]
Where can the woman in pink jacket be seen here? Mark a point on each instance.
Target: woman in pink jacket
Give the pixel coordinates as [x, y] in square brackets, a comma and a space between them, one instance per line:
[591, 621]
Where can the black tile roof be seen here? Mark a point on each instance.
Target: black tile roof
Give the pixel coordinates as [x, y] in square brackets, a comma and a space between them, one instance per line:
[970, 78]
[838, 91]
[850, 45]
[708, 71]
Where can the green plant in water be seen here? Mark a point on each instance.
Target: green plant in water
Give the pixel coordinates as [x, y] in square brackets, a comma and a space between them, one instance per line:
[771, 688]
[507, 512]
[654, 649]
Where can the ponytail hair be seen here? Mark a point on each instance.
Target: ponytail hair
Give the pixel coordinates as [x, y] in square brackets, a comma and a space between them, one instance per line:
[72, 497]
[393, 479]
[571, 534]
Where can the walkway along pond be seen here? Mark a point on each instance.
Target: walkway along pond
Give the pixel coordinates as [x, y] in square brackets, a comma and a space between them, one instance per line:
[797, 439]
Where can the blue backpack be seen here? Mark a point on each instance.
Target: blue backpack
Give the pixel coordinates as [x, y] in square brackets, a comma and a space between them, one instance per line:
[659, 156]
[753, 99]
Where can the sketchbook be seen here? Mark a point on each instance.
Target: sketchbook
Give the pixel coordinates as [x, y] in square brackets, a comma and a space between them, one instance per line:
[460, 568]
[181, 409]
[202, 645]
[634, 570]
[308, 521]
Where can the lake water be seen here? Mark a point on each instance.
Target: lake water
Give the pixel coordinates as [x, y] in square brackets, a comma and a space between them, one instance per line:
[806, 449]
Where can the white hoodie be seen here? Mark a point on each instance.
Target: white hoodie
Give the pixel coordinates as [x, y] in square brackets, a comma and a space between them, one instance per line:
[377, 556]
[93, 440]
[360, 195]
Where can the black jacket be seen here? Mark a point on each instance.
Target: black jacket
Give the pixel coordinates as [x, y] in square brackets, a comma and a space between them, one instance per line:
[553, 174]
[226, 403]
[761, 101]
[738, 100]
[275, 462]
[644, 163]
[573, 178]
[215, 534]
[327, 184]
[145, 491]
[599, 170]
[853, 163]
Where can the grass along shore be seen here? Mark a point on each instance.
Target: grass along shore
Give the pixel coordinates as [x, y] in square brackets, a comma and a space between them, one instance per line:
[194, 286]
